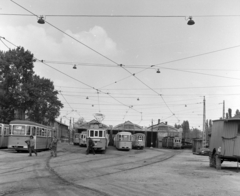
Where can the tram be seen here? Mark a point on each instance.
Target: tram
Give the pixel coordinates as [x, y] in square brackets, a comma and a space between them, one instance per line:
[138, 140]
[4, 131]
[123, 140]
[76, 138]
[98, 133]
[172, 142]
[83, 138]
[21, 130]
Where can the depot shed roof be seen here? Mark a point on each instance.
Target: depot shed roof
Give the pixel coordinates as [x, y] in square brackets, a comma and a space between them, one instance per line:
[128, 125]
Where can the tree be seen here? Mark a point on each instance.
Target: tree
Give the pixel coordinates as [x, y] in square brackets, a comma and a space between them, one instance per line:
[20, 89]
[177, 126]
[79, 122]
[237, 112]
[46, 105]
[186, 130]
[230, 112]
[16, 70]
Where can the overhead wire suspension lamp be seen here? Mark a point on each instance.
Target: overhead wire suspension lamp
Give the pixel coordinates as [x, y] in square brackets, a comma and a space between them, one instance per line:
[190, 21]
[41, 20]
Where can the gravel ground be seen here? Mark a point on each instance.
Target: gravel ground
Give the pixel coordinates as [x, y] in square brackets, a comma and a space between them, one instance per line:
[116, 173]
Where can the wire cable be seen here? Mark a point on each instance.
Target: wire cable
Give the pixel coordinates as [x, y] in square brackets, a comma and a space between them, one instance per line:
[4, 43]
[66, 100]
[121, 16]
[81, 82]
[97, 53]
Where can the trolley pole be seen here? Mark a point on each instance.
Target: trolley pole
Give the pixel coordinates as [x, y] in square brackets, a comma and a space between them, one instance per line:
[152, 135]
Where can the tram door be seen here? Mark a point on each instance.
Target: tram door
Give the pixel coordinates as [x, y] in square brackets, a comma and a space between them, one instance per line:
[154, 139]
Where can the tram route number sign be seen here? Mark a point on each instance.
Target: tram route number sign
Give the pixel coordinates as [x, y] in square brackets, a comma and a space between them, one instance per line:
[99, 117]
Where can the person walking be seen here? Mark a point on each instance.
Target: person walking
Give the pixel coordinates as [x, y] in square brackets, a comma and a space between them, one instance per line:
[31, 145]
[54, 146]
[90, 146]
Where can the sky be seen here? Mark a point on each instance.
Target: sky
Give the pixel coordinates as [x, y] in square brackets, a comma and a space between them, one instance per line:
[117, 58]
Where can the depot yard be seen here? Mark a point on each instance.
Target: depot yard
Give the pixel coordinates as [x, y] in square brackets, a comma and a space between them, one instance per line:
[134, 172]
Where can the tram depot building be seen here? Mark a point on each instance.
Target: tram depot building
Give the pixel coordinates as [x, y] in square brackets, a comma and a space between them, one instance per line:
[154, 134]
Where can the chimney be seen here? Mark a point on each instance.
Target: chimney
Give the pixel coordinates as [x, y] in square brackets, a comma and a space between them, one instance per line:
[158, 121]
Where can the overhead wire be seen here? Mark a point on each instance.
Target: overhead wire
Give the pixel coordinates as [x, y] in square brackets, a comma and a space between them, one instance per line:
[122, 15]
[163, 88]
[116, 63]
[65, 100]
[4, 43]
[81, 82]
[139, 66]
[99, 54]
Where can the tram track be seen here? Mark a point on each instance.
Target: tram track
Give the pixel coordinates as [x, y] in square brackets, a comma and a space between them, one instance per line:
[131, 166]
[143, 163]
[69, 183]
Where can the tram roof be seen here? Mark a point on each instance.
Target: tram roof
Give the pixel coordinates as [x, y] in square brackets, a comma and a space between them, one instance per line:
[124, 133]
[86, 125]
[27, 122]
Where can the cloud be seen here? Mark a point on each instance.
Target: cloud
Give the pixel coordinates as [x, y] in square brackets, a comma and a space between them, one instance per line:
[45, 46]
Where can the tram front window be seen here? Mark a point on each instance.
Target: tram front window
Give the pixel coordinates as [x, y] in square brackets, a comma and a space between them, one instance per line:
[18, 130]
[91, 133]
[100, 133]
[96, 133]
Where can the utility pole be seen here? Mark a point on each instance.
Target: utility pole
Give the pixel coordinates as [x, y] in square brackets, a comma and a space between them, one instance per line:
[70, 131]
[204, 138]
[152, 135]
[223, 109]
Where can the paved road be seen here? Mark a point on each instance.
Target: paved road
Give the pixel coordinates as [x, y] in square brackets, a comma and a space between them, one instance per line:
[136, 172]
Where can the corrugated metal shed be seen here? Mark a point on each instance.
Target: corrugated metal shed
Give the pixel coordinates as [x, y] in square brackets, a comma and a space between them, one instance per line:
[226, 134]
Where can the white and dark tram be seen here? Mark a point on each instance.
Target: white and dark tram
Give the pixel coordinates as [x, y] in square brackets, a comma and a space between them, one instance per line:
[98, 132]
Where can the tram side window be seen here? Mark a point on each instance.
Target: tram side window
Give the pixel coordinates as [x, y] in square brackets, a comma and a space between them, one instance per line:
[33, 130]
[42, 132]
[91, 133]
[10, 130]
[100, 133]
[38, 131]
[5, 131]
[0, 130]
[18, 130]
[28, 130]
[238, 128]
